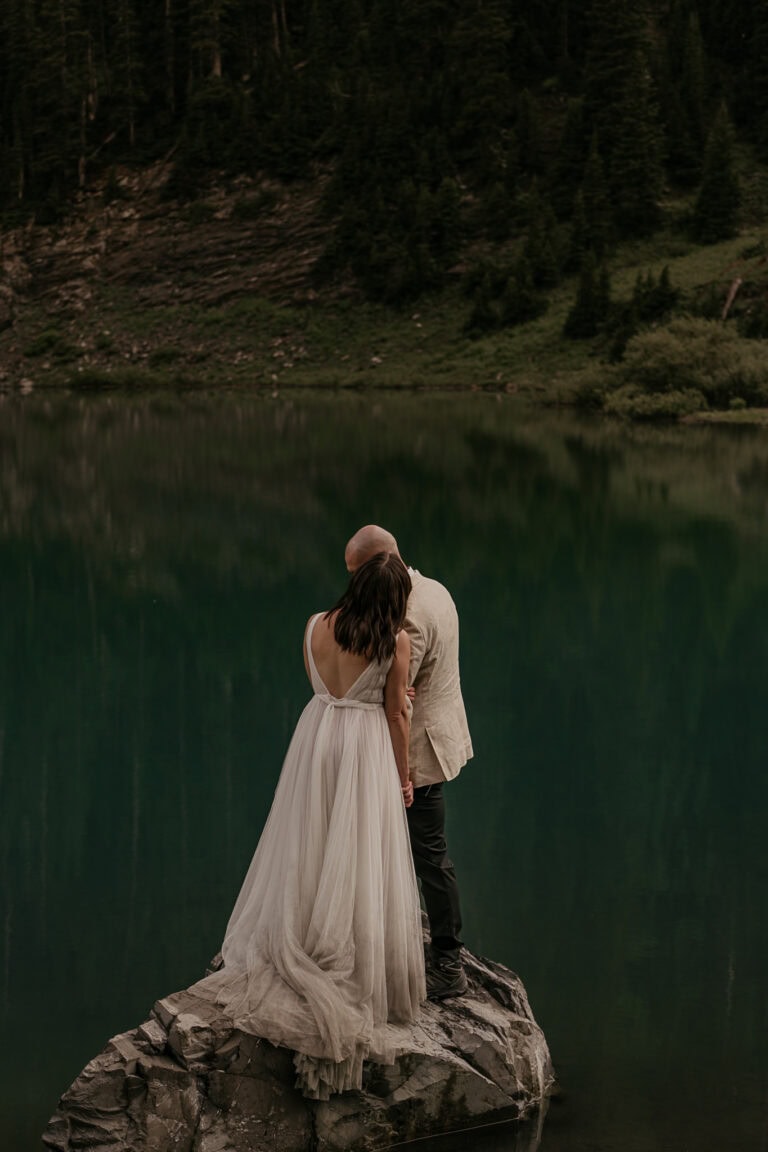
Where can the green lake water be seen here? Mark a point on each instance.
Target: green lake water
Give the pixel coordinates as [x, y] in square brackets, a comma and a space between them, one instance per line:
[159, 557]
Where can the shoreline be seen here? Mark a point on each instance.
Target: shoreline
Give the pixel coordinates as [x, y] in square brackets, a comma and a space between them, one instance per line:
[148, 294]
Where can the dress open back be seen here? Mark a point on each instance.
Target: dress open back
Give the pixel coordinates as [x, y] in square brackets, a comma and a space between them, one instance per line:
[323, 951]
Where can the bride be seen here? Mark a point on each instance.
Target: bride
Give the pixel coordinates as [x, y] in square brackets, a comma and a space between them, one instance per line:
[323, 951]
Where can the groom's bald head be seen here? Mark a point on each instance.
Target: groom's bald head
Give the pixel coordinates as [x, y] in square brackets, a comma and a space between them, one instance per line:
[367, 542]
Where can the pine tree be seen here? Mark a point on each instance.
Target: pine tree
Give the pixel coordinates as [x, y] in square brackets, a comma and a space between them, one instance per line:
[520, 300]
[483, 317]
[758, 77]
[694, 80]
[652, 299]
[529, 135]
[541, 252]
[590, 308]
[596, 202]
[477, 74]
[497, 213]
[126, 72]
[591, 227]
[15, 119]
[622, 109]
[728, 27]
[716, 212]
[55, 96]
[686, 93]
[569, 161]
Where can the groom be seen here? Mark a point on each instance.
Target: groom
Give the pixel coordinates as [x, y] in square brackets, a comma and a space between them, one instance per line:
[439, 747]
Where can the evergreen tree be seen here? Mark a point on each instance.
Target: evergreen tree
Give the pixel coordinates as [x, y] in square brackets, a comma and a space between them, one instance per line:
[528, 132]
[683, 158]
[521, 301]
[126, 73]
[597, 205]
[578, 244]
[56, 95]
[497, 213]
[16, 62]
[728, 29]
[590, 308]
[417, 111]
[479, 109]
[653, 299]
[569, 160]
[445, 222]
[622, 109]
[686, 93]
[694, 80]
[758, 77]
[541, 253]
[716, 212]
[483, 317]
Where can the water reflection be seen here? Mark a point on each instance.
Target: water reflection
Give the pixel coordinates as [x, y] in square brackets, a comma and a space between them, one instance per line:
[158, 559]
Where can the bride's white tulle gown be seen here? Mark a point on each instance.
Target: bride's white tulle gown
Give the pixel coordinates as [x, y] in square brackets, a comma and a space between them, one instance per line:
[323, 952]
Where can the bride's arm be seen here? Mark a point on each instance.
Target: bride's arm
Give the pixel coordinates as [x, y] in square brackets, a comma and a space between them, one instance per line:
[304, 650]
[396, 708]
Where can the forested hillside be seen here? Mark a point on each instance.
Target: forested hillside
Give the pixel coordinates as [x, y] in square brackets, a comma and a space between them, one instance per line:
[439, 120]
[575, 193]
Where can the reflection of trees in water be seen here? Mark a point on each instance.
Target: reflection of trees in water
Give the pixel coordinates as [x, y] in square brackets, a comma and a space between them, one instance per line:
[113, 473]
[594, 463]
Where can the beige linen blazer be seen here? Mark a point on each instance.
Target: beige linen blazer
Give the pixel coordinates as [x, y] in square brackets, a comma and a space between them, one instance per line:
[440, 743]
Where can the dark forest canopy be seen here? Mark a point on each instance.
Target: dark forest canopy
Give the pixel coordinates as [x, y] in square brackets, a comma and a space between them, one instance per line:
[437, 121]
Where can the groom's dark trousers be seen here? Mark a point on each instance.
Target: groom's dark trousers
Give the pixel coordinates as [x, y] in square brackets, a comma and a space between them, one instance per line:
[426, 825]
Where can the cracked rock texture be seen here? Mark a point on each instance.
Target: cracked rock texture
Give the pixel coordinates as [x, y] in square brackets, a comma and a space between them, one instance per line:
[187, 1081]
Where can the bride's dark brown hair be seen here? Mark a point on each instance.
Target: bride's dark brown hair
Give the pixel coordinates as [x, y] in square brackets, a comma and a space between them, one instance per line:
[372, 610]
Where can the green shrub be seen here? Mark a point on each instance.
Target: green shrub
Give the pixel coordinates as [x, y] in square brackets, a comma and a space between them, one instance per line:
[707, 301]
[52, 342]
[705, 356]
[590, 394]
[754, 251]
[44, 342]
[753, 321]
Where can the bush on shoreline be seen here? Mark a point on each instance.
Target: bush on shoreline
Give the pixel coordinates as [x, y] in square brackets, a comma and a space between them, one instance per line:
[686, 366]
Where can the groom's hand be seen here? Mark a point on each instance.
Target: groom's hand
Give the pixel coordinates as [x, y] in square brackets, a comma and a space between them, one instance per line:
[407, 791]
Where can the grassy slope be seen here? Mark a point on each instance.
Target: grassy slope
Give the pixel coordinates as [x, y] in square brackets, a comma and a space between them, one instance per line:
[337, 341]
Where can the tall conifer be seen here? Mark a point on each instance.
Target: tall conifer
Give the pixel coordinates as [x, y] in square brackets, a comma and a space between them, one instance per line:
[621, 105]
[717, 206]
[758, 71]
[570, 158]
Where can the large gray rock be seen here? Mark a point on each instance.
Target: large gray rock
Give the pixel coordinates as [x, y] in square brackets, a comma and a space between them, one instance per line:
[187, 1081]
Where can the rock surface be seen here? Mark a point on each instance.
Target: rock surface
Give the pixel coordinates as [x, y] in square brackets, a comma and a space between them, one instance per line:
[186, 1080]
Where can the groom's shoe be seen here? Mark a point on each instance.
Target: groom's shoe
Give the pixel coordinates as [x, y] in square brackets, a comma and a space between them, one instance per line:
[445, 977]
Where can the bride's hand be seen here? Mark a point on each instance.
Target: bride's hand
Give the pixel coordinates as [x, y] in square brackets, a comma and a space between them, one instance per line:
[407, 791]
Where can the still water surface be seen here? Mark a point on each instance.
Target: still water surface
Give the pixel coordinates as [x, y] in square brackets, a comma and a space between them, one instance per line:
[158, 559]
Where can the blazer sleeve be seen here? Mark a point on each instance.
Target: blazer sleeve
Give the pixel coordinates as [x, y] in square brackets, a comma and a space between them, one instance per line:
[418, 640]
